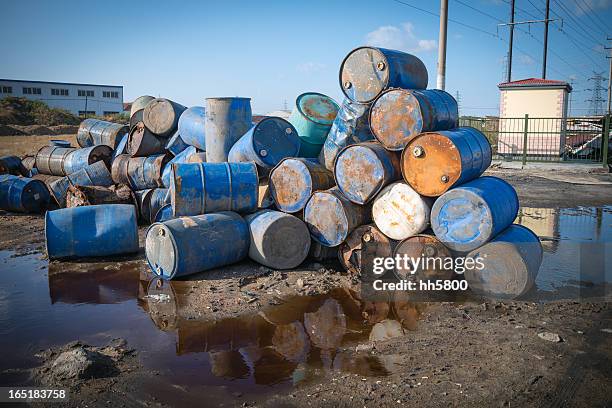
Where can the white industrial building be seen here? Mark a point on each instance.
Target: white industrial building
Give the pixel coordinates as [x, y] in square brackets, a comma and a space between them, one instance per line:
[79, 99]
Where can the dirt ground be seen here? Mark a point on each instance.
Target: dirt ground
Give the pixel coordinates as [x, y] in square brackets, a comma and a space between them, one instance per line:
[29, 145]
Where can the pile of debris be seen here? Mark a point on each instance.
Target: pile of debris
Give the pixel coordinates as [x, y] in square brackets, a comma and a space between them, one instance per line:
[385, 165]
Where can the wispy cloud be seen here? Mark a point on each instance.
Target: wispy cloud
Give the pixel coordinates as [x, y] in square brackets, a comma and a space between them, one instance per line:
[401, 38]
[594, 5]
[310, 67]
[526, 59]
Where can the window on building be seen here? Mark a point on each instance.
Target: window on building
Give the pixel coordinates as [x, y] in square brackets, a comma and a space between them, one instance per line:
[27, 91]
[7, 89]
[110, 113]
[36, 91]
[59, 92]
[110, 94]
[87, 113]
[82, 92]
[31, 91]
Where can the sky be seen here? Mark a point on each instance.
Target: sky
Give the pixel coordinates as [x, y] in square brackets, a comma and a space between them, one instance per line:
[272, 51]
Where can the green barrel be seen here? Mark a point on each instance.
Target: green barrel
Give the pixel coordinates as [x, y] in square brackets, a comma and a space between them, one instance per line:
[312, 117]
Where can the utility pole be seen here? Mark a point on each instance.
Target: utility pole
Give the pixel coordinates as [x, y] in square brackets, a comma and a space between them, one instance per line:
[441, 80]
[609, 74]
[511, 39]
[545, 39]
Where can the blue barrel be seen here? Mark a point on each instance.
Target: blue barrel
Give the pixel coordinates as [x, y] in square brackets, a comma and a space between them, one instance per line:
[266, 143]
[510, 264]
[182, 157]
[121, 147]
[191, 127]
[164, 213]
[22, 194]
[227, 119]
[362, 170]
[93, 230]
[187, 245]
[140, 173]
[81, 158]
[93, 132]
[434, 162]
[96, 174]
[466, 217]
[313, 116]
[398, 115]
[176, 144]
[352, 125]
[59, 143]
[293, 181]
[154, 201]
[201, 188]
[161, 116]
[330, 217]
[12, 165]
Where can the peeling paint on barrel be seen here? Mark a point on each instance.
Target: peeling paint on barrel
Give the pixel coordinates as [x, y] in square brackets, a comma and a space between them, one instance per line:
[142, 142]
[161, 116]
[140, 173]
[22, 194]
[227, 119]
[179, 158]
[95, 174]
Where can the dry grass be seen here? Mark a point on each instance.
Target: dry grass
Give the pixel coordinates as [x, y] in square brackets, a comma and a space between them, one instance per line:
[28, 145]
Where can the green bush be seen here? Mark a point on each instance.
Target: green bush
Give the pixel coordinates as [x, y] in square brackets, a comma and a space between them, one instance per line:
[22, 111]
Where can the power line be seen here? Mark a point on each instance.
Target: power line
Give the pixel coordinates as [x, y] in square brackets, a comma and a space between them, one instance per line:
[589, 16]
[480, 11]
[597, 16]
[571, 17]
[596, 99]
[522, 10]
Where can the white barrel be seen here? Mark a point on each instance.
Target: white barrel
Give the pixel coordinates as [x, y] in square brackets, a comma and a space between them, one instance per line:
[400, 212]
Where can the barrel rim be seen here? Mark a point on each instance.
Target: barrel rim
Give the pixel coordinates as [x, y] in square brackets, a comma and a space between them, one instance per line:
[174, 248]
[273, 190]
[379, 184]
[307, 117]
[265, 160]
[342, 67]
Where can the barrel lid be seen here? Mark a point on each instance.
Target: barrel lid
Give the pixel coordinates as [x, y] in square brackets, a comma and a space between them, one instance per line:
[326, 219]
[364, 74]
[291, 185]
[419, 246]
[431, 164]
[159, 116]
[317, 107]
[359, 173]
[274, 139]
[396, 118]
[161, 251]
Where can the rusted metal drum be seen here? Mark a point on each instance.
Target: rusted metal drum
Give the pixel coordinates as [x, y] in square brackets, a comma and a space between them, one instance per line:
[142, 142]
[179, 158]
[201, 188]
[470, 215]
[20, 194]
[140, 103]
[362, 170]
[352, 125]
[91, 231]
[510, 264]
[13, 165]
[137, 117]
[78, 196]
[161, 116]
[191, 127]
[350, 250]
[367, 71]
[176, 144]
[140, 173]
[227, 119]
[164, 213]
[81, 158]
[266, 143]
[199, 157]
[141, 197]
[400, 212]
[152, 201]
[331, 217]
[398, 115]
[312, 117]
[50, 160]
[434, 162]
[278, 240]
[434, 254]
[121, 147]
[293, 181]
[94, 132]
[29, 165]
[188, 245]
[59, 143]
[95, 174]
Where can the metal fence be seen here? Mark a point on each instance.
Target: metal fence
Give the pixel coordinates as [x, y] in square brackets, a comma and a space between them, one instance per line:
[578, 139]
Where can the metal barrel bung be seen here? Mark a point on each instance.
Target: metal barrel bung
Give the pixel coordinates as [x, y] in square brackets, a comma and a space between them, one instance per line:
[278, 240]
[13, 165]
[312, 117]
[161, 116]
[20, 194]
[142, 142]
[367, 71]
[90, 231]
[293, 181]
[266, 143]
[434, 256]
[140, 103]
[176, 144]
[179, 158]
[434, 162]
[187, 245]
[140, 173]
[400, 212]
[81, 158]
[95, 174]
[350, 250]
[352, 125]
[331, 217]
[510, 264]
[398, 115]
[466, 217]
[201, 188]
[121, 147]
[363, 169]
[191, 127]
[227, 119]
[94, 132]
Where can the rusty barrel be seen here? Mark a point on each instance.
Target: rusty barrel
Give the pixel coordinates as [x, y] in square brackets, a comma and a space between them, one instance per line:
[400, 212]
[226, 120]
[434, 162]
[140, 173]
[293, 181]
[367, 71]
[13, 165]
[433, 254]
[362, 170]
[201, 188]
[398, 115]
[350, 250]
[142, 142]
[91, 231]
[161, 116]
[187, 245]
[198, 157]
[176, 144]
[278, 240]
[78, 196]
[95, 174]
[138, 116]
[179, 158]
[20, 194]
[94, 132]
[312, 117]
[267, 143]
[140, 103]
[351, 125]
[331, 217]
[509, 264]
[61, 161]
[466, 217]
[191, 127]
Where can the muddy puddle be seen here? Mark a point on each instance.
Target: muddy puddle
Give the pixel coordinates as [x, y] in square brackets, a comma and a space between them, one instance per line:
[291, 342]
